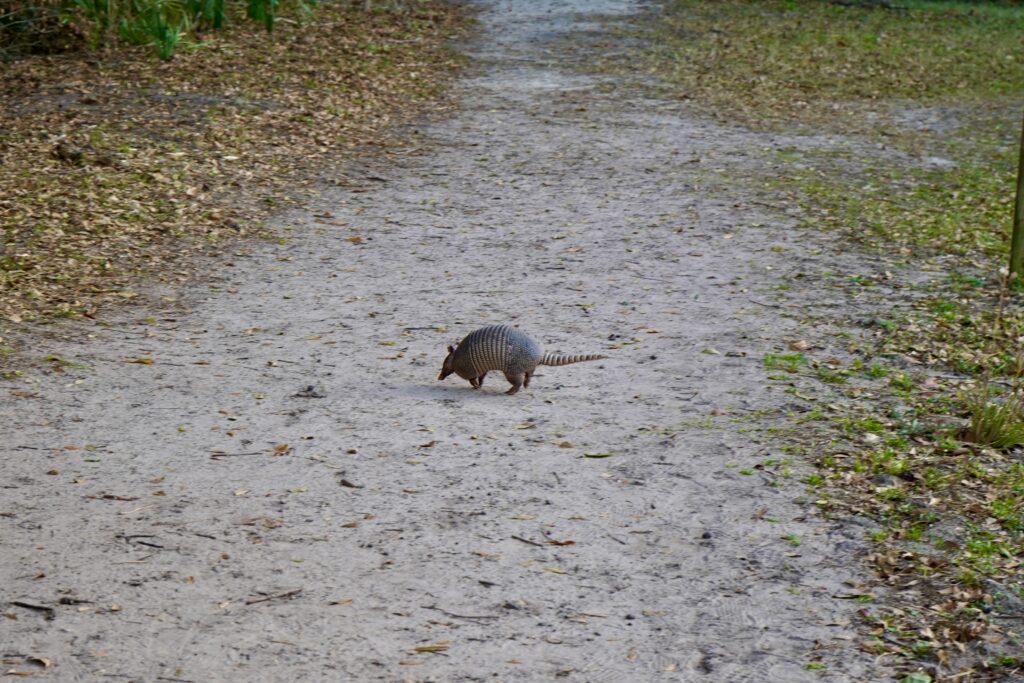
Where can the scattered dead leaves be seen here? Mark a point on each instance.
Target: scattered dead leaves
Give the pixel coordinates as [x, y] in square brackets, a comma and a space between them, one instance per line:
[116, 165]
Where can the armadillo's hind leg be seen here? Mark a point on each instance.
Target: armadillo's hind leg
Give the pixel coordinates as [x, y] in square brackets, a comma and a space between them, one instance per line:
[516, 381]
[526, 379]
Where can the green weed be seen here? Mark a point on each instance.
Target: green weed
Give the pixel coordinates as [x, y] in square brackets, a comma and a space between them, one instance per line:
[996, 421]
[790, 362]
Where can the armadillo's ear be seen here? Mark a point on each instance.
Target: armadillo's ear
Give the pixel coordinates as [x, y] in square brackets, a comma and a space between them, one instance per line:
[451, 349]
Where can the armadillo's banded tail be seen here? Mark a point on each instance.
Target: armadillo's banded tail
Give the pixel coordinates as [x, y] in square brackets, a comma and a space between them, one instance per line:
[562, 359]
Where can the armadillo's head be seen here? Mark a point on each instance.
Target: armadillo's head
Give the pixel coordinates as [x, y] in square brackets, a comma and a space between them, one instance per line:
[448, 367]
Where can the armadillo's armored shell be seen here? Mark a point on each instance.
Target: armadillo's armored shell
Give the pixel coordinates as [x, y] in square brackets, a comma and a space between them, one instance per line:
[497, 347]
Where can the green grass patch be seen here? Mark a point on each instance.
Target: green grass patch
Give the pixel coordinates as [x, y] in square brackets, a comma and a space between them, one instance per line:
[961, 210]
[996, 420]
[790, 362]
[867, 71]
[798, 59]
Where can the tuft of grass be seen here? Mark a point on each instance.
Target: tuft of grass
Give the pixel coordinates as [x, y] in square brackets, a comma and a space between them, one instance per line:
[876, 371]
[790, 362]
[996, 421]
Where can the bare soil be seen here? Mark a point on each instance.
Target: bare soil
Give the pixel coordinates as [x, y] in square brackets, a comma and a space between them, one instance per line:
[261, 478]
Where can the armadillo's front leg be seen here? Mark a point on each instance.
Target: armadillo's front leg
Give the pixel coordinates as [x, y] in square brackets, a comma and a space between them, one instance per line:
[516, 381]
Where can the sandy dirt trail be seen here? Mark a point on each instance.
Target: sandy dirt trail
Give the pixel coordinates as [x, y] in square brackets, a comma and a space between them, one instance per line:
[288, 493]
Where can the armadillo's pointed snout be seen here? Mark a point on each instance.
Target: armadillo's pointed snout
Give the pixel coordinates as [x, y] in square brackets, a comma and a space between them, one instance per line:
[448, 366]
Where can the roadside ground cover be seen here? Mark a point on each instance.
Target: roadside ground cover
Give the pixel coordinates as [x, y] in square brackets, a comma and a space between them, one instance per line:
[918, 424]
[116, 164]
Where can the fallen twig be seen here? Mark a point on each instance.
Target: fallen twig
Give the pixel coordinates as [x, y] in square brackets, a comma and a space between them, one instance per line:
[761, 303]
[460, 616]
[49, 611]
[526, 540]
[276, 596]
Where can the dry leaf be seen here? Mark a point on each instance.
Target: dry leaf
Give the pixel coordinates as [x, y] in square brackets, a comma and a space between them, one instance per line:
[436, 647]
[552, 541]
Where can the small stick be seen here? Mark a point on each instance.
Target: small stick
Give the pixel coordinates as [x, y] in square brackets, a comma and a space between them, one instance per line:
[460, 616]
[761, 303]
[656, 279]
[617, 540]
[50, 612]
[286, 594]
[526, 540]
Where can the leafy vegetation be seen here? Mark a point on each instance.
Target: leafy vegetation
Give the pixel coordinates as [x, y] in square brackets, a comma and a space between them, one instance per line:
[48, 26]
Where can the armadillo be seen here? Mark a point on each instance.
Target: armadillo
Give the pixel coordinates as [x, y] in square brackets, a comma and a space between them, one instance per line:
[504, 348]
